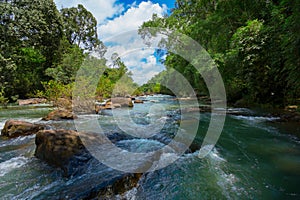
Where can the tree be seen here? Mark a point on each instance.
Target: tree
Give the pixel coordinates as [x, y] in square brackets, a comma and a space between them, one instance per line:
[65, 71]
[80, 27]
[30, 35]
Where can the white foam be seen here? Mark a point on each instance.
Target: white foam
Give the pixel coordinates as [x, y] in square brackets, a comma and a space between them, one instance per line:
[14, 163]
[215, 155]
[255, 118]
[1, 125]
[17, 141]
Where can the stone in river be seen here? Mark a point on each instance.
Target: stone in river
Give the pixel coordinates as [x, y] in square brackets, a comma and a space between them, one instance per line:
[60, 114]
[63, 149]
[15, 128]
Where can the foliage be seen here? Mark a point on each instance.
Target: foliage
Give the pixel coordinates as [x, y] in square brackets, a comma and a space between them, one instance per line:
[80, 27]
[254, 43]
[55, 90]
[65, 71]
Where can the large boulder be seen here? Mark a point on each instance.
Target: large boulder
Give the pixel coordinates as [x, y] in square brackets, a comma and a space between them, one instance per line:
[15, 128]
[63, 149]
[60, 114]
[124, 102]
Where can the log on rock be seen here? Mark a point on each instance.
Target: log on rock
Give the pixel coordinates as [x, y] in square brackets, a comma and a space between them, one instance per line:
[15, 128]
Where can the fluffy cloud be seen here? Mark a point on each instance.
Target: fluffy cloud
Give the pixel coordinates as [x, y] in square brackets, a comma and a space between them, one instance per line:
[121, 37]
[137, 56]
[132, 18]
[101, 9]
[118, 30]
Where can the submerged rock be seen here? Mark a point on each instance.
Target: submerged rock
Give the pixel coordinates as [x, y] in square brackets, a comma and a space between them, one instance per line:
[63, 149]
[15, 128]
[60, 114]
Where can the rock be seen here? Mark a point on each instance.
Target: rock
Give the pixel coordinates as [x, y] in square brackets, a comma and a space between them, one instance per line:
[63, 149]
[14, 128]
[60, 114]
[124, 102]
[138, 101]
[84, 105]
[119, 186]
[291, 108]
[63, 103]
[114, 103]
[289, 117]
[23, 102]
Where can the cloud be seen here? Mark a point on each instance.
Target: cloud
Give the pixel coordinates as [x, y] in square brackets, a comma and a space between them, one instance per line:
[132, 18]
[101, 9]
[118, 25]
[120, 36]
[137, 56]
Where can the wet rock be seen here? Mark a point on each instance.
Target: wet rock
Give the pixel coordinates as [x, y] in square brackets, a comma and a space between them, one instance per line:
[117, 187]
[15, 128]
[138, 101]
[63, 149]
[23, 102]
[288, 117]
[114, 103]
[60, 114]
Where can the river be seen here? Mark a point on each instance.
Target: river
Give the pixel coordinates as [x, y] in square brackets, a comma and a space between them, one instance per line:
[255, 158]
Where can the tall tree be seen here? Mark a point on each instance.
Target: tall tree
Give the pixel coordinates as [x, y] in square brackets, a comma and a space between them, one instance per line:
[80, 27]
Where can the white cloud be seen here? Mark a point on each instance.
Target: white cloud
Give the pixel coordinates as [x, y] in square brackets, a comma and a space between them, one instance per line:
[120, 33]
[101, 9]
[132, 18]
[121, 37]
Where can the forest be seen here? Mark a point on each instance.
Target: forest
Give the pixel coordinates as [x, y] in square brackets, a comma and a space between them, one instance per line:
[255, 45]
[42, 49]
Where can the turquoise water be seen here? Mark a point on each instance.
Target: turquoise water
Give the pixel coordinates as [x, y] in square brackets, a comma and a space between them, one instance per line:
[255, 158]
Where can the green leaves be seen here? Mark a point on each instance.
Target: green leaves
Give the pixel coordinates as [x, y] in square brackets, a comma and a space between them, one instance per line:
[255, 44]
[80, 27]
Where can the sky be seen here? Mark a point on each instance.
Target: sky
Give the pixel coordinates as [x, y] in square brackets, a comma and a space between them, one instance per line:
[118, 21]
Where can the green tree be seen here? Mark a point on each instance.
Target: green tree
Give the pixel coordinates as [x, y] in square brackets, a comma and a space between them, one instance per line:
[80, 27]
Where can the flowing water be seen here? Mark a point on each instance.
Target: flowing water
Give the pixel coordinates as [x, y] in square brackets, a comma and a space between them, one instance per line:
[254, 158]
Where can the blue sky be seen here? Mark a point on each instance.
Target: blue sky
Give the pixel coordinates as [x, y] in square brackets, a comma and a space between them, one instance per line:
[117, 18]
